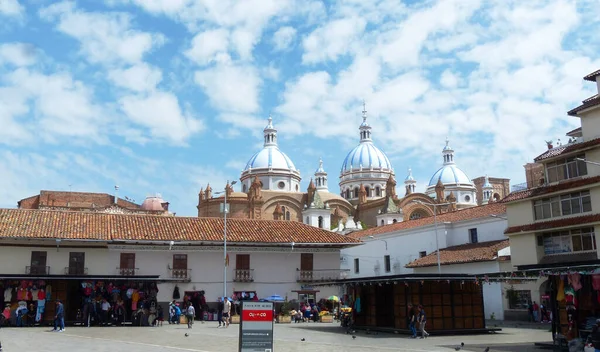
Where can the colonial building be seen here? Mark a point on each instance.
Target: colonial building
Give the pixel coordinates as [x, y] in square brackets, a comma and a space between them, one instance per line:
[270, 188]
[554, 224]
[163, 257]
[94, 202]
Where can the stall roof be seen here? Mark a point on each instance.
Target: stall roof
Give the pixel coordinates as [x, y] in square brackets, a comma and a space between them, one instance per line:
[403, 277]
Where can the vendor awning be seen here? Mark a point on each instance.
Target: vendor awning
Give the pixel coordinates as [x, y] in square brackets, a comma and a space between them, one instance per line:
[404, 277]
[574, 266]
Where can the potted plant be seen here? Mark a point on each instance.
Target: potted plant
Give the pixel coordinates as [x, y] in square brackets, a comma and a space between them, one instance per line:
[284, 316]
[325, 317]
[235, 317]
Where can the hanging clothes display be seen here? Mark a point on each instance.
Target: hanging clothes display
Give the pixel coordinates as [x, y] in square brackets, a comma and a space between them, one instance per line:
[176, 294]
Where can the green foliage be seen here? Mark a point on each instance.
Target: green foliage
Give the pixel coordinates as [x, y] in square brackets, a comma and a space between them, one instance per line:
[285, 308]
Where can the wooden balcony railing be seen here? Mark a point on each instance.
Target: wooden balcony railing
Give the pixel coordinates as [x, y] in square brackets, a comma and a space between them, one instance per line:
[37, 270]
[127, 271]
[181, 273]
[75, 271]
[321, 275]
[243, 275]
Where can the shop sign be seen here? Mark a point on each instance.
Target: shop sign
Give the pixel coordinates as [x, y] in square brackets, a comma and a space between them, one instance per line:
[256, 327]
[306, 288]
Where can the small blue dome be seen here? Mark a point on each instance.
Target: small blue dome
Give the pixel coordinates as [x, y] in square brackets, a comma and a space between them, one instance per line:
[270, 157]
[450, 174]
[367, 155]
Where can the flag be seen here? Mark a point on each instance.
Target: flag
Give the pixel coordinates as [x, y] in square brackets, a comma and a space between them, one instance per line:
[227, 260]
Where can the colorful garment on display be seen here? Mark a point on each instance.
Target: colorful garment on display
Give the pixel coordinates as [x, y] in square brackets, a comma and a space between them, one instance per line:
[570, 296]
[574, 281]
[560, 291]
[41, 305]
[357, 306]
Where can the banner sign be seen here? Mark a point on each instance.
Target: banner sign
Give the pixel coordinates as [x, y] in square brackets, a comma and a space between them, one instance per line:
[256, 327]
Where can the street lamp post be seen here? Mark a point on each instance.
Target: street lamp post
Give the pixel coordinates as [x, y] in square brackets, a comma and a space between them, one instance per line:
[225, 210]
[437, 244]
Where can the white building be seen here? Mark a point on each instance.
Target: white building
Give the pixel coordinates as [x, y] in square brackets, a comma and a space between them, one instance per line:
[265, 257]
[469, 242]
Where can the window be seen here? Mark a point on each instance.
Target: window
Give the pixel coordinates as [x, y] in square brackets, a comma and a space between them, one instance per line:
[38, 263]
[320, 222]
[473, 235]
[518, 299]
[127, 261]
[244, 188]
[180, 266]
[281, 185]
[368, 191]
[387, 263]
[576, 240]
[377, 191]
[567, 204]
[422, 254]
[76, 263]
[242, 261]
[394, 221]
[566, 168]
[416, 215]
[467, 199]
[347, 194]
[382, 222]
[355, 192]
[306, 262]
[356, 265]
[287, 215]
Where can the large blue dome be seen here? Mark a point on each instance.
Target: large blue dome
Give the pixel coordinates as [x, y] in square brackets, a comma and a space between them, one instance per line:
[450, 174]
[270, 158]
[367, 155]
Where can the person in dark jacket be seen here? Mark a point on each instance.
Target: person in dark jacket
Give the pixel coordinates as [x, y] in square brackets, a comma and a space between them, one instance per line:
[220, 308]
[59, 318]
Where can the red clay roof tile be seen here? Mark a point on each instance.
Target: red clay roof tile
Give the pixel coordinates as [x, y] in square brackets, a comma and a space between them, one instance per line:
[592, 76]
[539, 191]
[21, 223]
[567, 148]
[459, 215]
[548, 225]
[588, 103]
[464, 253]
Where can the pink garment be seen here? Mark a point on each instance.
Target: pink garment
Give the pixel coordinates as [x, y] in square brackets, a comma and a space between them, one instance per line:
[574, 281]
[596, 282]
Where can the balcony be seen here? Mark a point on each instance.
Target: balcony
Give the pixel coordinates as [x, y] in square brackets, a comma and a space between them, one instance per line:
[75, 271]
[37, 270]
[243, 275]
[321, 275]
[184, 274]
[127, 271]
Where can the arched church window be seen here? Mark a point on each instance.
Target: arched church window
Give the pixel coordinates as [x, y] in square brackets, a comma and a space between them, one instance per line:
[496, 197]
[368, 191]
[307, 220]
[382, 222]
[320, 222]
[355, 192]
[287, 215]
[244, 188]
[296, 188]
[347, 194]
[416, 215]
[394, 221]
[377, 192]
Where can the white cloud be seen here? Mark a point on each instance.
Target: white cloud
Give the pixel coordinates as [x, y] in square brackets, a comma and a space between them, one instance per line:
[210, 45]
[231, 88]
[11, 8]
[283, 38]
[332, 40]
[104, 37]
[18, 54]
[140, 77]
[161, 114]
[449, 79]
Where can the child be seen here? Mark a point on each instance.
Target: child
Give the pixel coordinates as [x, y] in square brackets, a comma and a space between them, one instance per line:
[190, 314]
[161, 316]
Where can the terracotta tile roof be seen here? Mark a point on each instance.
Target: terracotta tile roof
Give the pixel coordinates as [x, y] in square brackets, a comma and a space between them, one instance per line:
[567, 148]
[592, 76]
[549, 225]
[21, 223]
[574, 132]
[459, 215]
[539, 191]
[588, 103]
[464, 253]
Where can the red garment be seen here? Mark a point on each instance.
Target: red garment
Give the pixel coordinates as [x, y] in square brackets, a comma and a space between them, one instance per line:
[41, 294]
[574, 281]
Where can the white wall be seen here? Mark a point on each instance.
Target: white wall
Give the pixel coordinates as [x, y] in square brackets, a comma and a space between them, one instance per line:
[404, 246]
[274, 271]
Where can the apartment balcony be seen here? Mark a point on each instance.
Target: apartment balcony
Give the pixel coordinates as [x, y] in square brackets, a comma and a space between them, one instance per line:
[37, 270]
[76, 271]
[243, 275]
[183, 274]
[127, 271]
[308, 276]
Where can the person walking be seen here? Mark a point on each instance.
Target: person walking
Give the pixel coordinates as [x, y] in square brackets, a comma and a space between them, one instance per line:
[226, 312]
[536, 311]
[412, 321]
[190, 314]
[220, 308]
[422, 322]
[59, 318]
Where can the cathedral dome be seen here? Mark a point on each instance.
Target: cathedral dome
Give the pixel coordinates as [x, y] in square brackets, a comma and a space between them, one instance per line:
[366, 156]
[450, 174]
[275, 170]
[153, 203]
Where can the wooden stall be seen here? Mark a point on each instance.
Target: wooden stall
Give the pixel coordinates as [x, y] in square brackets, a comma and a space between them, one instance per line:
[452, 304]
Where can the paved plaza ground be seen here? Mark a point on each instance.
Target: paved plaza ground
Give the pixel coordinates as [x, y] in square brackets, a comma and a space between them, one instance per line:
[207, 338]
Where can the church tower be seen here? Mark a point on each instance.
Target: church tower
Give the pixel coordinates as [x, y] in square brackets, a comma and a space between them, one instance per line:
[410, 183]
[321, 178]
[488, 190]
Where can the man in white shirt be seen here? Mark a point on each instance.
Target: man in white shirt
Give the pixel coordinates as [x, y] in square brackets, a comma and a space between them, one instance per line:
[226, 312]
[105, 309]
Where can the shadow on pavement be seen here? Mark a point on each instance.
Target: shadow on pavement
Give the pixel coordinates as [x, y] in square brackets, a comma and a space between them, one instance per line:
[509, 347]
[344, 331]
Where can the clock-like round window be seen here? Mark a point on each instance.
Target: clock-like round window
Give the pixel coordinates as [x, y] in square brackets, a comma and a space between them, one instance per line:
[467, 198]
[281, 185]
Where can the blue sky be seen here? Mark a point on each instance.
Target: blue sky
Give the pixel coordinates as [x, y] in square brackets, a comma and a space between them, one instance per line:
[165, 96]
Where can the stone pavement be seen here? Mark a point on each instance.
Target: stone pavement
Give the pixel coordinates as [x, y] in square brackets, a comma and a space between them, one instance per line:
[207, 338]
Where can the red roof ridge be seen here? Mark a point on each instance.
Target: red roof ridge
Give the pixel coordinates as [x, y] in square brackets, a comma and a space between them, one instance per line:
[547, 189]
[555, 223]
[463, 253]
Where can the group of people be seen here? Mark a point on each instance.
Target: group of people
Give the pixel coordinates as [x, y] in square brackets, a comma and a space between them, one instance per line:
[538, 313]
[417, 317]
[175, 312]
[305, 313]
